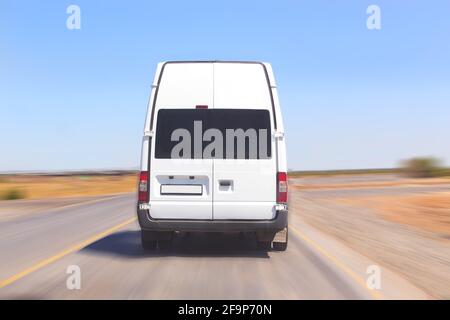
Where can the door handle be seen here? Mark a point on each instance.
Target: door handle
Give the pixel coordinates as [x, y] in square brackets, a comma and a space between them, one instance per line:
[225, 183]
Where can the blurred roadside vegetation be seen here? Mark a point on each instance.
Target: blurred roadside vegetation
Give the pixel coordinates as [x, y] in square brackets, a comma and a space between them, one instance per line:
[12, 194]
[424, 167]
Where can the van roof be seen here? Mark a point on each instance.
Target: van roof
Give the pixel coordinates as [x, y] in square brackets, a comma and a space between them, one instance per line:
[267, 66]
[260, 98]
[212, 61]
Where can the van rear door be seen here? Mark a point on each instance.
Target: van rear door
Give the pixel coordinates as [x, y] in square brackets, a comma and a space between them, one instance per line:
[180, 187]
[245, 185]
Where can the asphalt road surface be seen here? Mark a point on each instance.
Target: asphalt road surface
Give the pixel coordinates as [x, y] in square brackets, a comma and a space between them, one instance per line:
[101, 236]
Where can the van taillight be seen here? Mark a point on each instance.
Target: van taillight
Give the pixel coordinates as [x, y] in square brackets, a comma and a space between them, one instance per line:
[143, 187]
[282, 187]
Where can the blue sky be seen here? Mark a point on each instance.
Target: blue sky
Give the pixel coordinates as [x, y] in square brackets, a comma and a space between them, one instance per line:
[351, 97]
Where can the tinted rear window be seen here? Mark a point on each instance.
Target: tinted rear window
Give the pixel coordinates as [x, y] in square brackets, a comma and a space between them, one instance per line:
[234, 134]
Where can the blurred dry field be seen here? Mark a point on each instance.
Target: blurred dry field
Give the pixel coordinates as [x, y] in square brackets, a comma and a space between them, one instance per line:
[45, 187]
[403, 224]
[430, 212]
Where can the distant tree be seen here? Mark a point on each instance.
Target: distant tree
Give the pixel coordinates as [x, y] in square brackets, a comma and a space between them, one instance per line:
[421, 167]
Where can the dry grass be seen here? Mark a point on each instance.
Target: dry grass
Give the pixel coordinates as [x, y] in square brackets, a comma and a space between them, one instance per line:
[430, 212]
[42, 187]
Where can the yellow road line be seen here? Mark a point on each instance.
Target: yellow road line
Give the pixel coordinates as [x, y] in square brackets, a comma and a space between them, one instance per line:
[63, 253]
[375, 294]
[85, 202]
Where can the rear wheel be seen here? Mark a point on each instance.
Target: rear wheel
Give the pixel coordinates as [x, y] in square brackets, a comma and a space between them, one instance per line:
[264, 239]
[164, 244]
[264, 245]
[147, 241]
[152, 239]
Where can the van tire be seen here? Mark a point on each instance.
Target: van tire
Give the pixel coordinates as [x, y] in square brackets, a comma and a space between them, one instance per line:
[164, 244]
[148, 244]
[148, 241]
[264, 245]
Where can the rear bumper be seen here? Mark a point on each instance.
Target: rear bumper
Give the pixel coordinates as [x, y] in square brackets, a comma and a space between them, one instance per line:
[274, 225]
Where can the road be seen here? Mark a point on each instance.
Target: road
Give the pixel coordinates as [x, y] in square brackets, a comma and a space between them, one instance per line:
[101, 236]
